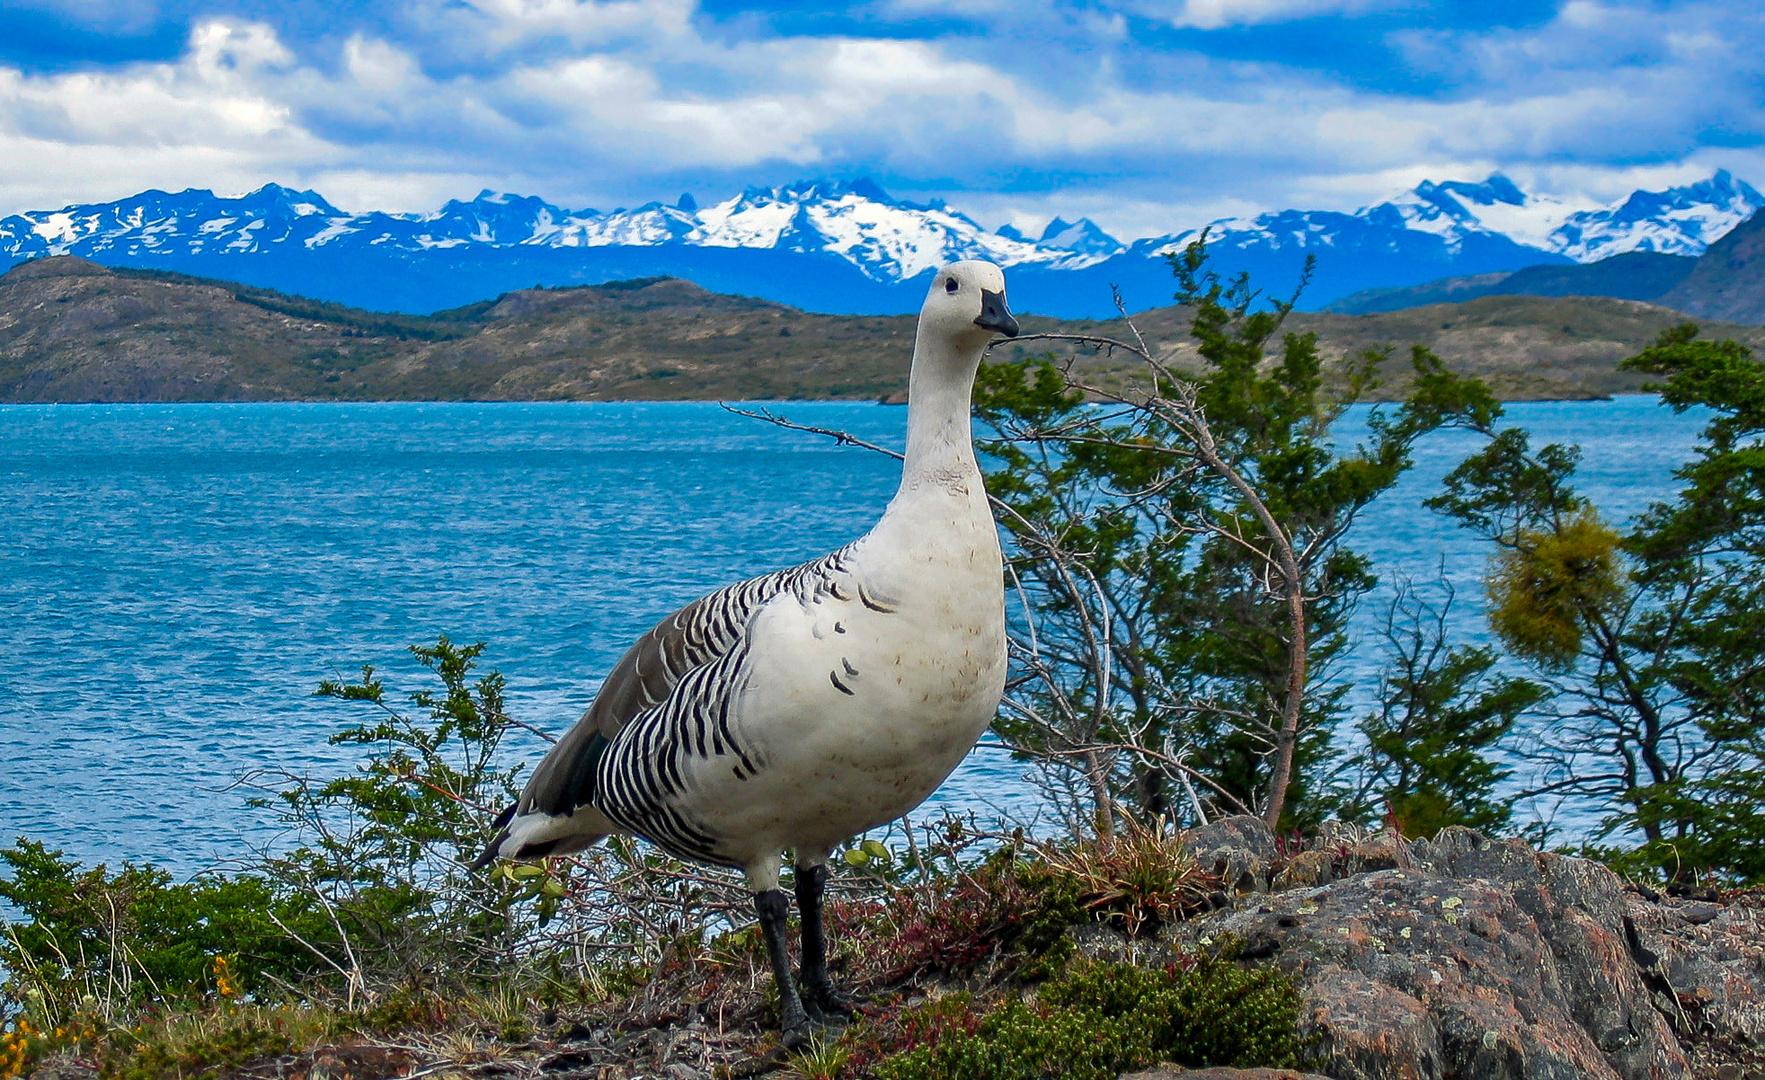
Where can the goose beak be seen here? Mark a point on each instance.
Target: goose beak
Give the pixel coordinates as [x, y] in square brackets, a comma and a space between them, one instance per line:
[995, 316]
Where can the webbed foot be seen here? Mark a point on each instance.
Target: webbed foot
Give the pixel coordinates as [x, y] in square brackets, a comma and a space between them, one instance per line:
[831, 1005]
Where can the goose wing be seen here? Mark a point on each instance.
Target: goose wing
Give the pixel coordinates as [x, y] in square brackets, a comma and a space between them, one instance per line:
[699, 634]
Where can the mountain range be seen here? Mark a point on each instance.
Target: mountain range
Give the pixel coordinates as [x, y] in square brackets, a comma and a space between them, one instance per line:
[852, 248]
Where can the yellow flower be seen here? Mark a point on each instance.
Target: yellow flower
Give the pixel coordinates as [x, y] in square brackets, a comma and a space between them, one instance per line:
[224, 985]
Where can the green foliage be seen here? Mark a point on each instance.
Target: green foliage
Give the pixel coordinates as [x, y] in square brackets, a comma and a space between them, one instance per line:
[1116, 523]
[822, 1059]
[111, 942]
[1506, 488]
[1099, 1019]
[1138, 879]
[385, 848]
[375, 894]
[207, 1044]
[1549, 582]
[1706, 550]
[1441, 709]
[1655, 633]
[1010, 913]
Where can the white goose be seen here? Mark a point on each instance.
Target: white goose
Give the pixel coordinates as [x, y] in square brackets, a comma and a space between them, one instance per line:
[799, 709]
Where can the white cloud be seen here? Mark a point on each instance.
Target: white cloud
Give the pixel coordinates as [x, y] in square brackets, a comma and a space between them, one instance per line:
[212, 99]
[1218, 14]
[619, 101]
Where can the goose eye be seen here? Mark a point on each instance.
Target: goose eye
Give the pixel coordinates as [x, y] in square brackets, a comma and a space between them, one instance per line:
[950, 285]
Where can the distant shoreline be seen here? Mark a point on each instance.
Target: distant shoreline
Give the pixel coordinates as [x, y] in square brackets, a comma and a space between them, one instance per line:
[74, 332]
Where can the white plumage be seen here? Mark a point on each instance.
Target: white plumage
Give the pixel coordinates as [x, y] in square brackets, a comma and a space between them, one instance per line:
[796, 710]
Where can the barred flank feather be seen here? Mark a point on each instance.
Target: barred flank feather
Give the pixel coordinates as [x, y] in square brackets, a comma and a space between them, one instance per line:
[667, 700]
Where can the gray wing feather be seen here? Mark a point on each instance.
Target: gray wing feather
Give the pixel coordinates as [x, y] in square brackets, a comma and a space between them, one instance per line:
[696, 635]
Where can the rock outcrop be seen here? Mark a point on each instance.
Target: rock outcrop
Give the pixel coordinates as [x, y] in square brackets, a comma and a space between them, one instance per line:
[1463, 958]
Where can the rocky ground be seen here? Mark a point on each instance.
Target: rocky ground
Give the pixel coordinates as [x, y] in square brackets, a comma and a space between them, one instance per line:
[1464, 957]
[1456, 958]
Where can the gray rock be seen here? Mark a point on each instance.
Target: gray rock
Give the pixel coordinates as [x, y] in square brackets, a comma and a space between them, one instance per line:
[1712, 968]
[1482, 959]
[63, 1066]
[1240, 850]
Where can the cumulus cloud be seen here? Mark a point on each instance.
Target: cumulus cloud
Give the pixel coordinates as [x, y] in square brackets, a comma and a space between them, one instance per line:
[606, 102]
[209, 119]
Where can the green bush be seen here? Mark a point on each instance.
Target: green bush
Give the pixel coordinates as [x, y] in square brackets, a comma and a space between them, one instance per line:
[1099, 1019]
[133, 937]
[376, 895]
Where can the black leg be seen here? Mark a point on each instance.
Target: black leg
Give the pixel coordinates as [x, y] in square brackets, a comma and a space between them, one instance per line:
[819, 993]
[774, 907]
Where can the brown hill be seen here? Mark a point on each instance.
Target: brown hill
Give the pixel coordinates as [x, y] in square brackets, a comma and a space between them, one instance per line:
[1525, 347]
[71, 330]
[1728, 281]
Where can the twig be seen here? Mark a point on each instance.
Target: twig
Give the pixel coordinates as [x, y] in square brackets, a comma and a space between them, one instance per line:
[843, 438]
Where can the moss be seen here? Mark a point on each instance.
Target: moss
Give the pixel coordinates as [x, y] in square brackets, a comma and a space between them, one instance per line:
[194, 1046]
[1099, 1019]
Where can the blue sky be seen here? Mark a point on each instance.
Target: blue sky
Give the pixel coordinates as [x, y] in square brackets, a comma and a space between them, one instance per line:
[1146, 115]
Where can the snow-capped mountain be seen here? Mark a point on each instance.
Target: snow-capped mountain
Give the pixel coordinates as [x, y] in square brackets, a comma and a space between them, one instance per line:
[1678, 221]
[886, 239]
[851, 247]
[1081, 237]
[191, 221]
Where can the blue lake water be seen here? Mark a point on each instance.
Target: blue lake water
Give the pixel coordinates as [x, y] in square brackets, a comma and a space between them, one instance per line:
[175, 579]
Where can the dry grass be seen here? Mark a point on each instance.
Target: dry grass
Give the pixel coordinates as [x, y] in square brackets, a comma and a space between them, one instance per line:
[701, 1004]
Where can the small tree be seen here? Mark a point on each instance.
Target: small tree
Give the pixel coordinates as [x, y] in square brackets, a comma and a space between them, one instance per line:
[380, 857]
[1650, 637]
[1441, 708]
[1180, 548]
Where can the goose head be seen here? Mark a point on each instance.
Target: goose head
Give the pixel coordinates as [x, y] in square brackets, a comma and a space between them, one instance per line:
[965, 307]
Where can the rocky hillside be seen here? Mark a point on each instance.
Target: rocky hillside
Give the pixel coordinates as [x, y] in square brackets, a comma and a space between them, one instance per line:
[1634, 275]
[1726, 281]
[1362, 955]
[1525, 347]
[71, 330]
[1729, 279]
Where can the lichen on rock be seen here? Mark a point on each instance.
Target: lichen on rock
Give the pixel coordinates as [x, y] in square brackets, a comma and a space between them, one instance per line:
[1467, 957]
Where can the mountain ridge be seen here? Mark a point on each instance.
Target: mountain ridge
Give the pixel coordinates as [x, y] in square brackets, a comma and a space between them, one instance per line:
[1728, 281]
[845, 247]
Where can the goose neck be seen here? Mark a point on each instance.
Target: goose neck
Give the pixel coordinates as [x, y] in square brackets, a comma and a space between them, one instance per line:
[940, 438]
